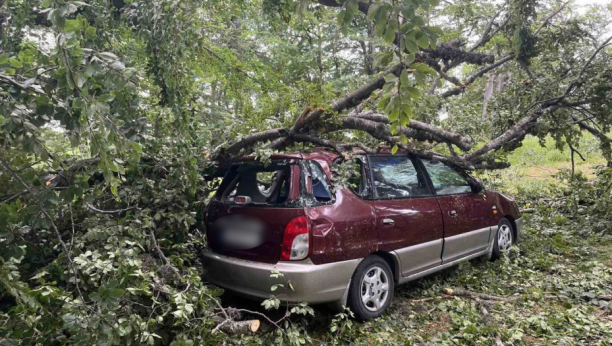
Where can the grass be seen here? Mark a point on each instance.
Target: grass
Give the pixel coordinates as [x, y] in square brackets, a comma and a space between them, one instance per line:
[533, 166]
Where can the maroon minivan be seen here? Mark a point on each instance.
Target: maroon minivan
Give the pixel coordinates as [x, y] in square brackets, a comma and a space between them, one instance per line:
[401, 217]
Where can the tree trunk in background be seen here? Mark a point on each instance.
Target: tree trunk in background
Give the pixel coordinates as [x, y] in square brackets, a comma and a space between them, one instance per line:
[495, 84]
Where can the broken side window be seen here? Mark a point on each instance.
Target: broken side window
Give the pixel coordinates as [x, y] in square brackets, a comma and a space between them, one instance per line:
[316, 183]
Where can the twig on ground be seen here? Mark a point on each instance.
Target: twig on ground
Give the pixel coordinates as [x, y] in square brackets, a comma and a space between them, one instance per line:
[100, 211]
[160, 253]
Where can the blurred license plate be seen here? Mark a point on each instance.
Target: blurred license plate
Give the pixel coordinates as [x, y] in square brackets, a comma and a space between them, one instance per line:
[240, 233]
[240, 239]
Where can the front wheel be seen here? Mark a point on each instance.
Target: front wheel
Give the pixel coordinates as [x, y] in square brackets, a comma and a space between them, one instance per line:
[371, 288]
[504, 238]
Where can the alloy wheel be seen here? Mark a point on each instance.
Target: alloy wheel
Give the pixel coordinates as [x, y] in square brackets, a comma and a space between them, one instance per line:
[504, 237]
[374, 289]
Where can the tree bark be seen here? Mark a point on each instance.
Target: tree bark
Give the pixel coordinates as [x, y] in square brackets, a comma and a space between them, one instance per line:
[231, 327]
[438, 134]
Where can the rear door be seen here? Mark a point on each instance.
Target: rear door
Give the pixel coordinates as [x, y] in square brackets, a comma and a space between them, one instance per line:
[409, 219]
[342, 223]
[466, 214]
[254, 231]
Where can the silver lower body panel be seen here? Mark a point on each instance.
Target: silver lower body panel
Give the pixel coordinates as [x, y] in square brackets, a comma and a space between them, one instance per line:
[445, 265]
[313, 283]
[414, 259]
[465, 244]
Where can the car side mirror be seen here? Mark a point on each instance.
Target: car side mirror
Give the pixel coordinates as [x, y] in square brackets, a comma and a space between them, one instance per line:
[477, 186]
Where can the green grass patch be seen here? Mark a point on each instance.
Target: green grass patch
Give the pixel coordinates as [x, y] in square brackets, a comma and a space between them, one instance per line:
[533, 166]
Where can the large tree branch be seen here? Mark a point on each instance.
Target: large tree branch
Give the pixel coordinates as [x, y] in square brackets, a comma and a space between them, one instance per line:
[382, 132]
[354, 98]
[513, 132]
[448, 52]
[439, 134]
[475, 76]
[250, 140]
[348, 101]
[339, 147]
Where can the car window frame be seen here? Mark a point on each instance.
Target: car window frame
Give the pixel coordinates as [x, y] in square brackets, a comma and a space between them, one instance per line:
[417, 166]
[470, 180]
[303, 166]
[291, 203]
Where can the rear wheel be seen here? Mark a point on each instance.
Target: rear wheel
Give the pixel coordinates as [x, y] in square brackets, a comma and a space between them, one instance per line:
[371, 288]
[504, 238]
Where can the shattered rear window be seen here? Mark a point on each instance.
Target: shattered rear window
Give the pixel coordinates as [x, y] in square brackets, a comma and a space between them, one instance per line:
[264, 185]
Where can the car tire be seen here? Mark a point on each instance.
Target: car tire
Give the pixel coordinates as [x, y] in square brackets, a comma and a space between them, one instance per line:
[504, 238]
[371, 288]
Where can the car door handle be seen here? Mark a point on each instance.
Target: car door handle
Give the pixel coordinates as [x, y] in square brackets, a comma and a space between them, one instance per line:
[389, 222]
[453, 213]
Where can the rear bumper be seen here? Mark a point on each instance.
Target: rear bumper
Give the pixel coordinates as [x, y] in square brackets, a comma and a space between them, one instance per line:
[519, 229]
[312, 283]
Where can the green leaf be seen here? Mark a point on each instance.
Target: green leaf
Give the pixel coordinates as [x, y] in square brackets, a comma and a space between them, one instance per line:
[393, 116]
[136, 147]
[423, 40]
[410, 58]
[381, 20]
[412, 46]
[80, 79]
[372, 11]
[116, 293]
[15, 63]
[418, 20]
[30, 126]
[382, 103]
[106, 98]
[423, 68]
[383, 59]
[394, 149]
[90, 33]
[390, 78]
[90, 70]
[390, 31]
[406, 27]
[407, 12]
[407, 110]
[404, 78]
[72, 25]
[434, 2]
[414, 92]
[434, 30]
[4, 58]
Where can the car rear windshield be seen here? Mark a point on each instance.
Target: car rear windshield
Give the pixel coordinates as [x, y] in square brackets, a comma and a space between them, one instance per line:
[263, 184]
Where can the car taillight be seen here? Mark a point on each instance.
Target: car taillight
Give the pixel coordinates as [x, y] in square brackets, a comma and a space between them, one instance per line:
[296, 240]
